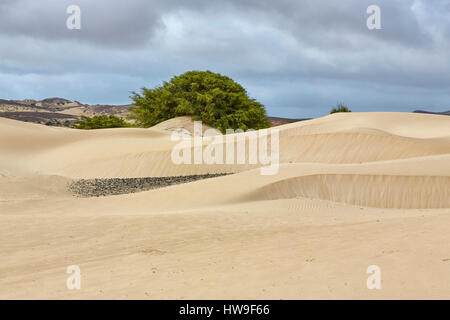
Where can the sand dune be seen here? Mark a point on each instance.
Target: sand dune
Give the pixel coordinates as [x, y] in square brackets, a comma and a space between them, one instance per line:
[381, 191]
[352, 190]
[146, 152]
[401, 124]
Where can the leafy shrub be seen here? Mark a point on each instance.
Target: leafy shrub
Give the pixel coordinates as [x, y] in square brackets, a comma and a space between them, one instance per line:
[100, 122]
[340, 107]
[214, 99]
[53, 122]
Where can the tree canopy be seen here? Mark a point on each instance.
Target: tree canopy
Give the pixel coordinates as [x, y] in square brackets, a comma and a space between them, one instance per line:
[214, 99]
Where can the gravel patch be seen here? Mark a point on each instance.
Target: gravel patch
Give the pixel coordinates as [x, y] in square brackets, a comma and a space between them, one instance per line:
[113, 186]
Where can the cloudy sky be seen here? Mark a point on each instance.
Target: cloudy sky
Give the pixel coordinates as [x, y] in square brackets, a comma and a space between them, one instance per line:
[299, 58]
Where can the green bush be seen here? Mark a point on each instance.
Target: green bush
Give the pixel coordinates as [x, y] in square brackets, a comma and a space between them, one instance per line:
[340, 107]
[214, 99]
[100, 122]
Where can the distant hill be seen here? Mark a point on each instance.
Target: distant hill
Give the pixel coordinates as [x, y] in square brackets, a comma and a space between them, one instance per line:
[445, 113]
[56, 111]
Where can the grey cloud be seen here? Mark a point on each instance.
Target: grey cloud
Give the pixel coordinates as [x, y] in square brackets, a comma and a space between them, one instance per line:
[322, 48]
[131, 23]
[118, 23]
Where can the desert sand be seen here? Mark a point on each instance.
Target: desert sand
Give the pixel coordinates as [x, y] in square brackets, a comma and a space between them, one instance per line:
[353, 190]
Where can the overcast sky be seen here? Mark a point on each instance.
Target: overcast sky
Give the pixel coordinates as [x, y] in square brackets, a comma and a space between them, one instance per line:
[298, 58]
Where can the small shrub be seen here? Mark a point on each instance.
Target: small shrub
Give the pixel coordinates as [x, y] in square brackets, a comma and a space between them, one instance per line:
[53, 122]
[340, 107]
[100, 122]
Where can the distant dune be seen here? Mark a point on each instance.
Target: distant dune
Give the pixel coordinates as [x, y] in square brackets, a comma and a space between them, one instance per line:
[277, 121]
[445, 113]
[352, 190]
